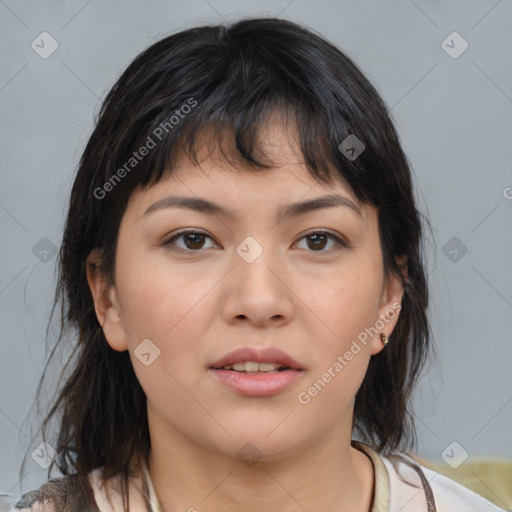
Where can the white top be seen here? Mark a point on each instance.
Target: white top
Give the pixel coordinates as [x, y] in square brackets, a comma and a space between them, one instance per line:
[398, 488]
[392, 494]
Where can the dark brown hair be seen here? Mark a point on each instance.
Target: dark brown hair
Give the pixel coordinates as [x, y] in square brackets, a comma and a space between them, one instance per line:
[231, 77]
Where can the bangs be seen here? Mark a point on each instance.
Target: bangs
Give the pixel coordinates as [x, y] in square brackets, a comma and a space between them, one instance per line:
[234, 135]
[239, 140]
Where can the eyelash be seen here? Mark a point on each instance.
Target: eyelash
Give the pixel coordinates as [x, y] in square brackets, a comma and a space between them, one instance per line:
[340, 244]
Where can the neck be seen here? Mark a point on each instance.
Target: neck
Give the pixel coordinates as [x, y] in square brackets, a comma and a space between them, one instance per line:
[328, 475]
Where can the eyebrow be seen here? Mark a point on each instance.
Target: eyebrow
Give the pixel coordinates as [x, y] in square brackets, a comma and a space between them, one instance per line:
[285, 212]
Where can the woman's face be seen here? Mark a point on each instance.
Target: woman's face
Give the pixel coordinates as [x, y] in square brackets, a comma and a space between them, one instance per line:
[255, 271]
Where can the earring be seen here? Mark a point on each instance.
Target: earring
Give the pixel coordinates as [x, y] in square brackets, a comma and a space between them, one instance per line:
[384, 338]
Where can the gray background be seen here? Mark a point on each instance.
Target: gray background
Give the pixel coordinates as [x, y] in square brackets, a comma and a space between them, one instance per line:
[454, 118]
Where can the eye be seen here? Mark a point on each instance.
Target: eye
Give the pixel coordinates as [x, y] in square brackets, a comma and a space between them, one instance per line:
[318, 240]
[192, 240]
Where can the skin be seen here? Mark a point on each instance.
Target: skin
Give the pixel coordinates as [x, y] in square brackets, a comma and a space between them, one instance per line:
[311, 300]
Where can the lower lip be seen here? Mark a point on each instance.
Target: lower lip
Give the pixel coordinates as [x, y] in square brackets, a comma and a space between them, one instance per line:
[264, 384]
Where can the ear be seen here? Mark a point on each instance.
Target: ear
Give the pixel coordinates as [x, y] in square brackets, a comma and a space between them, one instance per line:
[390, 305]
[106, 303]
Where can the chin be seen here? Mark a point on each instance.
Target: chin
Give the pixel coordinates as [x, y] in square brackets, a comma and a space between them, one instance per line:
[265, 441]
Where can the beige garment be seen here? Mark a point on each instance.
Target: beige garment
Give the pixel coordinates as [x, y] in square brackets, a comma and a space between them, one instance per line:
[401, 488]
[144, 487]
[398, 488]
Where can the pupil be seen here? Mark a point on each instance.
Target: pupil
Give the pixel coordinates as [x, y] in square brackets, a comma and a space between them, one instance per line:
[315, 244]
[195, 238]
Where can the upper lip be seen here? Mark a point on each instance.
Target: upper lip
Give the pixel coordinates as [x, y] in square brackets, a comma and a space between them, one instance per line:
[259, 355]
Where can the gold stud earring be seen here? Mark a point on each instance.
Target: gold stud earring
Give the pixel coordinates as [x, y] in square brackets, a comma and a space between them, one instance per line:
[384, 338]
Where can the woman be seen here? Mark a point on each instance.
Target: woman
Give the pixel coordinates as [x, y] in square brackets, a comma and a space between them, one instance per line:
[242, 263]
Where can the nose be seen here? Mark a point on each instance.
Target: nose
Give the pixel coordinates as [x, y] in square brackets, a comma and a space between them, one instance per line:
[258, 293]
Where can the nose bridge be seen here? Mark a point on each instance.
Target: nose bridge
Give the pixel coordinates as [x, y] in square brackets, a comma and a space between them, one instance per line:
[256, 290]
[253, 263]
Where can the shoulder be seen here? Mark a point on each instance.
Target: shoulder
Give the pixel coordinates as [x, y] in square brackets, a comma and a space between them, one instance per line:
[70, 494]
[60, 494]
[406, 487]
[454, 496]
[66, 494]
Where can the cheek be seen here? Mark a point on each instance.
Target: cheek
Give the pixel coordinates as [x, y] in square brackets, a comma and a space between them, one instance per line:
[170, 309]
[158, 299]
[349, 302]
[340, 367]
[347, 305]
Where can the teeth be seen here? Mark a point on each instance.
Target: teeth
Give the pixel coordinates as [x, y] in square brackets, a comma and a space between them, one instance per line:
[252, 366]
[265, 367]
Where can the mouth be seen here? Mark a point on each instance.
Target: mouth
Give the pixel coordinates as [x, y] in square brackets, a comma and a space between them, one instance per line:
[253, 367]
[256, 372]
[249, 359]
